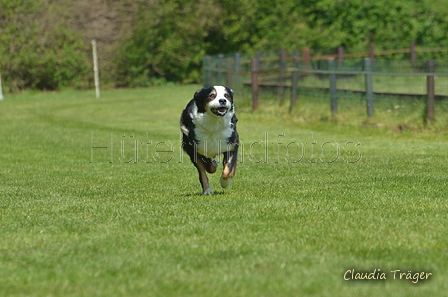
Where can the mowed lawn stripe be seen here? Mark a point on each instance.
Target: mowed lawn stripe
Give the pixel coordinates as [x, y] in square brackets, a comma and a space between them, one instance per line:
[311, 203]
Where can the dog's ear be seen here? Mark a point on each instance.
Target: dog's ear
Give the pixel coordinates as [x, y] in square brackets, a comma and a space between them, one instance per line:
[201, 93]
[197, 94]
[200, 97]
[230, 91]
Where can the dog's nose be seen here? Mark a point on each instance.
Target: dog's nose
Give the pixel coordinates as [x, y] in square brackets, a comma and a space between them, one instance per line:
[222, 101]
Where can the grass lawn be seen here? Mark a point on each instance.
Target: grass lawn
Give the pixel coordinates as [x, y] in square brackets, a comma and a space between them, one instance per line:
[97, 199]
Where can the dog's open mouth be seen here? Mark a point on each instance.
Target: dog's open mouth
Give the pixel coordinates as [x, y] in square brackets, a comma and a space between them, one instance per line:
[220, 111]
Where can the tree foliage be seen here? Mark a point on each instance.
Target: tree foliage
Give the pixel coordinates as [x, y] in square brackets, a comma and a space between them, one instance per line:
[167, 45]
[45, 44]
[37, 50]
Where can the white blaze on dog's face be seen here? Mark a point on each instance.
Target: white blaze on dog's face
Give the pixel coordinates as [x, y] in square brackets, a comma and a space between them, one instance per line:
[217, 100]
[221, 101]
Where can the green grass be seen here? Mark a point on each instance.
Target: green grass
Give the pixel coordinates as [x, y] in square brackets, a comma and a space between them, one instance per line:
[363, 196]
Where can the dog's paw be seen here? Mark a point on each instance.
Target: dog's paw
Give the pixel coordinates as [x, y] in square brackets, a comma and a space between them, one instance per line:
[225, 182]
[208, 192]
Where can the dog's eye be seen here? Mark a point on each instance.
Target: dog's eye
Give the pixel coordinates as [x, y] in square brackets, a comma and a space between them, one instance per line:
[213, 96]
[226, 95]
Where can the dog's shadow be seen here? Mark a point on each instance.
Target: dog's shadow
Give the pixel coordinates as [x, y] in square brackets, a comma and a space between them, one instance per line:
[198, 194]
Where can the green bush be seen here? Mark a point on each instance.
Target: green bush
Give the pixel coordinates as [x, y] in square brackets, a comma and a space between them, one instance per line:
[166, 44]
[46, 44]
[36, 51]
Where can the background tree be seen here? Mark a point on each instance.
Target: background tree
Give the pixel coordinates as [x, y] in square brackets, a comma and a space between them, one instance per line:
[45, 44]
[37, 49]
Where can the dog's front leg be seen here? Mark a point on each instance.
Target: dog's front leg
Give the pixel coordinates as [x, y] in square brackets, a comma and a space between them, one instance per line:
[230, 160]
[201, 166]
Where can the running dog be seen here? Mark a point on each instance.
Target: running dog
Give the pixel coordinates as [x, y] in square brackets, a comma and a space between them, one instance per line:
[208, 126]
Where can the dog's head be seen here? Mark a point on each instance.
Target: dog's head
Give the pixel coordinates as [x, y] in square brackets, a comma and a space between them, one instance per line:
[217, 100]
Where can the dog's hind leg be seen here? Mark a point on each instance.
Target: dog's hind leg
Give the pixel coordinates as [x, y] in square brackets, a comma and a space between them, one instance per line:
[210, 164]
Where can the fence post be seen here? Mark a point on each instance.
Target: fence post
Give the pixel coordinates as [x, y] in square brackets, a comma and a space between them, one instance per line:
[306, 56]
[282, 66]
[341, 55]
[208, 72]
[95, 69]
[372, 53]
[430, 91]
[255, 68]
[237, 69]
[369, 87]
[333, 91]
[295, 80]
[413, 54]
[1, 89]
[220, 66]
[229, 80]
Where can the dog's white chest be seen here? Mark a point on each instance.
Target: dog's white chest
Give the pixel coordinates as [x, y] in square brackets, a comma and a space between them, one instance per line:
[212, 144]
[212, 135]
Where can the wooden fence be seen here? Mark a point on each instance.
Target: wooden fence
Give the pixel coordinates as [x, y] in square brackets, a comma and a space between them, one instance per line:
[284, 71]
[333, 73]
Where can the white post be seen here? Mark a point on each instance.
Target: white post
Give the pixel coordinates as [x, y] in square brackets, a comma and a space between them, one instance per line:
[95, 69]
[1, 92]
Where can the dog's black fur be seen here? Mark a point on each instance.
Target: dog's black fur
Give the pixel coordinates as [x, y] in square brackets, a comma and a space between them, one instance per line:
[208, 126]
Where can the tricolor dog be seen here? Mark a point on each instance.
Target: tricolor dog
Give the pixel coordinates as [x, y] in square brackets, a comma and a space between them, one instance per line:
[208, 126]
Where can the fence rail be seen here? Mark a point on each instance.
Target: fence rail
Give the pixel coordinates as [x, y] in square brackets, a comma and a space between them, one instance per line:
[369, 76]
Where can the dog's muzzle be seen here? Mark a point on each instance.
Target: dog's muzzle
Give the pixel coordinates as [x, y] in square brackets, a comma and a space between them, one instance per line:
[220, 111]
